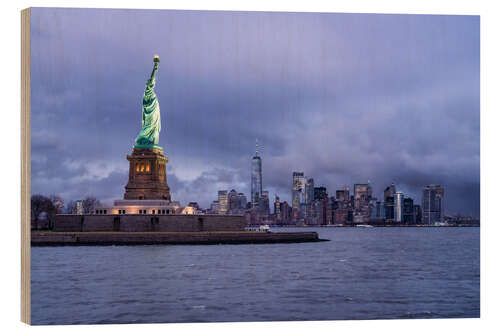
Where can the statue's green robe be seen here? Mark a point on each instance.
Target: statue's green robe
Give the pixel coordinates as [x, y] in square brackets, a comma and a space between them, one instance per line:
[151, 122]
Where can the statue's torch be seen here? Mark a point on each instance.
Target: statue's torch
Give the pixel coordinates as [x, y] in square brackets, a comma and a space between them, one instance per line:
[156, 58]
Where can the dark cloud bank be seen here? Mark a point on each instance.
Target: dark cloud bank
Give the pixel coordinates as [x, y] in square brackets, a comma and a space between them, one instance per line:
[345, 98]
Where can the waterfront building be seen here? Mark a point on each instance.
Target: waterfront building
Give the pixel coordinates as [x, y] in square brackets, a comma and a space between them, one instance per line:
[277, 208]
[417, 212]
[233, 200]
[398, 207]
[432, 204]
[256, 181]
[330, 206]
[298, 189]
[362, 197]
[380, 213]
[389, 193]
[408, 211]
[286, 212]
[309, 191]
[341, 206]
[243, 200]
[389, 209]
[264, 203]
[343, 194]
[316, 215]
[304, 210]
[214, 207]
[223, 202]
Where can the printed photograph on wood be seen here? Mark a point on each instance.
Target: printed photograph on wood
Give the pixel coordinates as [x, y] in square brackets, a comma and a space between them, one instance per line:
[220, 166]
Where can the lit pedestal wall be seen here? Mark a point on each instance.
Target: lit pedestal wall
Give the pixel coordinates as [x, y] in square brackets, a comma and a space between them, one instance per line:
[147, 175]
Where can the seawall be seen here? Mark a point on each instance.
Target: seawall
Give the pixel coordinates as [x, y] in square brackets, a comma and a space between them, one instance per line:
[50, 238]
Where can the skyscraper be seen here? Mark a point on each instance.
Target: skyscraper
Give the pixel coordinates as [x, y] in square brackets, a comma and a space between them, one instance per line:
[389, 191]
[362, 196]
[243, 200]
[264, 202]
[223, 202]
[389, 194]
[320, 193]
[343, 194]
[398, 207]
[277, 208]
[298, 189]
[408, 211]
[309, 191]
[256, 183]
[432, 204]
[233, 200]
[417, 212]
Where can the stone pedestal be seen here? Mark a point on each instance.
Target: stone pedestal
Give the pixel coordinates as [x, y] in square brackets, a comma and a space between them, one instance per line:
[147, 175]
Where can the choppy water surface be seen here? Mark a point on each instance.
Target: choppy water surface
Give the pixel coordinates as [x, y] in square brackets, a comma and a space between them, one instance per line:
[362, 273]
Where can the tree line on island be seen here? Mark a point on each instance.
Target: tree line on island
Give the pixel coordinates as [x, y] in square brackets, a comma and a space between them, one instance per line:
[44, 208]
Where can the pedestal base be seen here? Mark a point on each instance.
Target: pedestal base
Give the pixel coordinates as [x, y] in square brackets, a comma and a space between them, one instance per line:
[147, 175]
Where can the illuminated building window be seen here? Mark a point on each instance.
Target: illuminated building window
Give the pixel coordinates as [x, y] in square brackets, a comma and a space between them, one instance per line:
[147, 167]
[142, 167]
[137, 167]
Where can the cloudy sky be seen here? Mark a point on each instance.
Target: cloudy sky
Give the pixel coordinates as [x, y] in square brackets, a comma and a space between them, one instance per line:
[346, 98]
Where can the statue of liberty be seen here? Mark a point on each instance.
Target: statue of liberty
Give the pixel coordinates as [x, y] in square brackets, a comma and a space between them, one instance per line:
[151, 123]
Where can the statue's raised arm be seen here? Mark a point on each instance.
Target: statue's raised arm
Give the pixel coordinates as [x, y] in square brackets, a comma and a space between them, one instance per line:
[151, 122]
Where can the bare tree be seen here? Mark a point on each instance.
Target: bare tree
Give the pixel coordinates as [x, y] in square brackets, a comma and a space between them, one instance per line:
[40, 204]
[57, 202]
[89, 204]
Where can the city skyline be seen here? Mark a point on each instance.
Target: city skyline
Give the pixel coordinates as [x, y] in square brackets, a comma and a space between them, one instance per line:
[347, 99]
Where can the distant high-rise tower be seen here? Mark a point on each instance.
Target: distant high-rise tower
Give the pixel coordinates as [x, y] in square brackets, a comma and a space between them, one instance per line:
[362, 196]
[264, 202]
[223, 202]
[298, 189]
[343, 194]
[389, 191]
[309, 191]
[398, 207]
[243, 200]
[320, 193]
[408, 211]
[256, 185]
[389, 194]
[277, 207]
[432, 204]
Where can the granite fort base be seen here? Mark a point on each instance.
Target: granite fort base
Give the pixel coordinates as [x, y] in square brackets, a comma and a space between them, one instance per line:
[143, 223]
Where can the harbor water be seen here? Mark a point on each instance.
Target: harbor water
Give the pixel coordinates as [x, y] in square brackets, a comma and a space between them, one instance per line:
[361, 273]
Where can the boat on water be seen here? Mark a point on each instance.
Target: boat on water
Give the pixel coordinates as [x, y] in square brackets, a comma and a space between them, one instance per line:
[364, 226]
[263, 228]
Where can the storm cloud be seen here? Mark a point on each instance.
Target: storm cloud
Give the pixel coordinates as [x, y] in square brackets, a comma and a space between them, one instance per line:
[346, 98]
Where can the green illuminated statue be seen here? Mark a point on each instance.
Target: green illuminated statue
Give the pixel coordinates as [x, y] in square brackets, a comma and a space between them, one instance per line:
[151, 123]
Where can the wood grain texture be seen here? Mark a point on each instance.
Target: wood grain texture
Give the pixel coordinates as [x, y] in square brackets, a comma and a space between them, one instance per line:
[25, 166]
